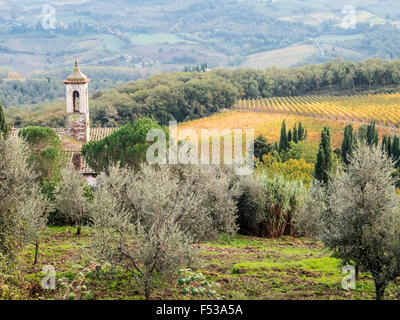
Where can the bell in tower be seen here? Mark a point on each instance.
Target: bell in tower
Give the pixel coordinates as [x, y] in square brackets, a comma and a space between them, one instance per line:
[77, 97]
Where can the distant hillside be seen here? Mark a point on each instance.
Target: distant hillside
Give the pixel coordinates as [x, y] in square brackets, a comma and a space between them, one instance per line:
[167, 35]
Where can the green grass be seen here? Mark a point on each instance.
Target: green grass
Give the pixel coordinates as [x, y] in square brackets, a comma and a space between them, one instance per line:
[244, 267]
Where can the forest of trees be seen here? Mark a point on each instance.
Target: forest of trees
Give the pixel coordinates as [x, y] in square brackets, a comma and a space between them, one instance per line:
[191, 95]
[184, 96]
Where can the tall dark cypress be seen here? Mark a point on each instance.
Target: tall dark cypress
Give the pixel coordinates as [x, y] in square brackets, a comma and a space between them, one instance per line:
[283, 141]
[4, 128]
[384, 144]
[295, 134]
[289, 136]
[372, 134]
[300, 132]
[319, 165]
[395, 149]
[324, 157]
[389, 146]
[347, 144]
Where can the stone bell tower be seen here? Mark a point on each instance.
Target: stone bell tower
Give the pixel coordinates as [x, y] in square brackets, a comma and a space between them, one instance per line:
[78, 105]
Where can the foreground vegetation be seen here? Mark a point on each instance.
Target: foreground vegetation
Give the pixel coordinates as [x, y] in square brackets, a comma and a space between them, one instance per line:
[245, 267]
[152, 224]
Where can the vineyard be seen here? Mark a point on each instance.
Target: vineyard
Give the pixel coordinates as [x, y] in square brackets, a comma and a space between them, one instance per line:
[383, 108]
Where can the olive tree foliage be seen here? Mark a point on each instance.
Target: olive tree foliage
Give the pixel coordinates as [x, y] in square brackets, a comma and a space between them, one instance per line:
[148, 221]
[23, 208]
[71, 197]
[308, 220]
[358, 215]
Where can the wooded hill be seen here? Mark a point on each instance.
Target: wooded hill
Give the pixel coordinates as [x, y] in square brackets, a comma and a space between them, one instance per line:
[184, 96]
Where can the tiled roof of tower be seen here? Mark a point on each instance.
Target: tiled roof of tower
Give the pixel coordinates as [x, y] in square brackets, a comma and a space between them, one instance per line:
[72, 146]
[76, 76]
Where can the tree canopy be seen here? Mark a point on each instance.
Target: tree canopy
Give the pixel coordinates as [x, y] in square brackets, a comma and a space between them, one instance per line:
[127, 146]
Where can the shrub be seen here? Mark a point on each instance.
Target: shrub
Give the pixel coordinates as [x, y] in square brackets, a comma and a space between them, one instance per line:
[292, 170]
[267, 205]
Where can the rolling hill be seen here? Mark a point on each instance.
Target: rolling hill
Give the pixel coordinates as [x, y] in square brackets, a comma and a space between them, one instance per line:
[167, 35]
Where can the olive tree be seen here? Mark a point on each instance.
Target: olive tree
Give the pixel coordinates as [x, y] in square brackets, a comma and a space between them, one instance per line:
[308, 220]
[71, 197]
[34, 214]
[359, 218]
[148, 221]
[23, 208]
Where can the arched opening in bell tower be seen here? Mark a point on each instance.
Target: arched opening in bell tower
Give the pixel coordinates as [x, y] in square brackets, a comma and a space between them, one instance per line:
[75, 99]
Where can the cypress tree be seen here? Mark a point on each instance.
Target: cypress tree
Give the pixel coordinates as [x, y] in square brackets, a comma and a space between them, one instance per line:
[395, 149]
[300, 132]
[384, 144]
[319, 165]
[295, 134]
[283, 141]
[389, 146]
[4, 128]
[289, 136]
[324, 157]
[372, 134]
[347, 144]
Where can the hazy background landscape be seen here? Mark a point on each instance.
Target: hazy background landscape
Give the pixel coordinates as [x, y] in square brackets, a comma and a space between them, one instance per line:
[166, 35]
[119, 41]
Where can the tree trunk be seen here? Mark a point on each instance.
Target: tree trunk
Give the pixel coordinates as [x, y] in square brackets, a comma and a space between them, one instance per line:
[380, 290]
[36, 252]
[147, 294]
[147, 290]
[78, 230]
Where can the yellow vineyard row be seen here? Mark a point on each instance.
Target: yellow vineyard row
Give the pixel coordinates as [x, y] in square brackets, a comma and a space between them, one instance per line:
[383, 108]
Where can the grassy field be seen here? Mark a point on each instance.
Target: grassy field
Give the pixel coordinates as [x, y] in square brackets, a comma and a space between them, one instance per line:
[244, 267]
[281, 58]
